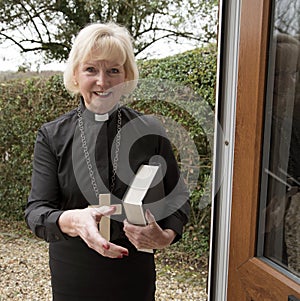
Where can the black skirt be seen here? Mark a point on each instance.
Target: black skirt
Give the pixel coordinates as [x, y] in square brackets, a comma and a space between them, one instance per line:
[80, 273]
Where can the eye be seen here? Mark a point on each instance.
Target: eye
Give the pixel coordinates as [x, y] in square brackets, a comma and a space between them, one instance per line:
[90, 69]
[113, 71]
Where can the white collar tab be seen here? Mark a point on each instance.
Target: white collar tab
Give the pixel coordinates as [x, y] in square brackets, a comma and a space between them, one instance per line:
[101, 117]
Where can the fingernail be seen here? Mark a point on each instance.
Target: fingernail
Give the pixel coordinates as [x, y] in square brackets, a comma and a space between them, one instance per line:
[106, 247]
[125, 253]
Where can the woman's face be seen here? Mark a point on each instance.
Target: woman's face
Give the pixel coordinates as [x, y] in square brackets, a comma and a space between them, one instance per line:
[100, 84]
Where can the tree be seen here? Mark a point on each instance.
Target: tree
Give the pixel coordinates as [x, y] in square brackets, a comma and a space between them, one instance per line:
[49, 26]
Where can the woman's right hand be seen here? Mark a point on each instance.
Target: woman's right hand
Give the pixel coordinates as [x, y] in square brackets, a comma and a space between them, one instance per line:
[83, 223]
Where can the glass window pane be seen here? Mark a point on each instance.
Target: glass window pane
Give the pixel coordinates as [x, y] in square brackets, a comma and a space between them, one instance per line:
[279, 228]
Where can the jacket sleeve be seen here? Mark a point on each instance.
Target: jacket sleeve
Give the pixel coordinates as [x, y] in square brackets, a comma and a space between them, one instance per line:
[42, 210]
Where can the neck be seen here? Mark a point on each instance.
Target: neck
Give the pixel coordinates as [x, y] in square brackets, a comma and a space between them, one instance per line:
[101, 109]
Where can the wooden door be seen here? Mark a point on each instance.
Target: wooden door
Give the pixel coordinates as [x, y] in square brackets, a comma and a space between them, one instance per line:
[263, 262]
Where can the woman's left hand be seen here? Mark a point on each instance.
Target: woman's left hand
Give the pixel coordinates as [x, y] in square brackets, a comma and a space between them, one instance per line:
[151, 236]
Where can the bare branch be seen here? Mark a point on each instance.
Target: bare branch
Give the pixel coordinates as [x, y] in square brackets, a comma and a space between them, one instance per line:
[31, 20]
[148, 21]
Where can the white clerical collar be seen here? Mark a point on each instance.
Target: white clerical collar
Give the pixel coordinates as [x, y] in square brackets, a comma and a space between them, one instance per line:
[101, 117]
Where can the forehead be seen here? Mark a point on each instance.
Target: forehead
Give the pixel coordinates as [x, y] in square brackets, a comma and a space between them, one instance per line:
[102, 63]
[106, 52]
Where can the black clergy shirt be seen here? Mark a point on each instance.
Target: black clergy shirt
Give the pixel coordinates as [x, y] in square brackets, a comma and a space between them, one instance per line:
[60, 177]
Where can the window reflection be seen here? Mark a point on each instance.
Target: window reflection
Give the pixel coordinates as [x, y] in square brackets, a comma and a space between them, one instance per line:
[279, 229]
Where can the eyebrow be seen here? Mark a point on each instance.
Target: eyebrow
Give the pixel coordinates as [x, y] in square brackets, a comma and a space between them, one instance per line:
[95, 63]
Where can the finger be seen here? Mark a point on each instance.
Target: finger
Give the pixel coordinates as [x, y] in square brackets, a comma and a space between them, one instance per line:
[105, 210]
[118, 249]
[137, 235]
[149, 217]
[115, 251]
[140, 242]
[110, 249]
[105, 248]
[98, 212]
[133, 229]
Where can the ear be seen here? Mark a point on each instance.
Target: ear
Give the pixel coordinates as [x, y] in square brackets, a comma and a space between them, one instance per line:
[75, 81]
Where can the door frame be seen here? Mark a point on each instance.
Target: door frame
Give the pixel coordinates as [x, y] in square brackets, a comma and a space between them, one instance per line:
[243, 275]
[227, 70]
[248, 275]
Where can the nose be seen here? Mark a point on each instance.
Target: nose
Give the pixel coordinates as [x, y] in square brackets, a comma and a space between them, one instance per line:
[102, 79]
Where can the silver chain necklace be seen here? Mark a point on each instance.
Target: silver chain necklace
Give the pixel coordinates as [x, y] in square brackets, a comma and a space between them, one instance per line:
[87, 155]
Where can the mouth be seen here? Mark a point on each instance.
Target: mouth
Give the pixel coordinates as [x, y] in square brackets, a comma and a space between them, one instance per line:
[103, 94]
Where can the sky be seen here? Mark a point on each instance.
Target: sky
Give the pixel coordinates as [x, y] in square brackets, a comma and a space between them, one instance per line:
[11, 58]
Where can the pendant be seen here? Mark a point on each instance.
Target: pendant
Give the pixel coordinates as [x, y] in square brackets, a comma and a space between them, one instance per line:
[104, 225]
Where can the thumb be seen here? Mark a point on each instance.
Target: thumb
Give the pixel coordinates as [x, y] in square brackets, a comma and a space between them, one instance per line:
[105, 210]
[149, 217]
[99, 212]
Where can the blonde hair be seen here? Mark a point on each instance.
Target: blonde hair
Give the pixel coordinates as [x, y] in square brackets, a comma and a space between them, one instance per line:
[109, 42]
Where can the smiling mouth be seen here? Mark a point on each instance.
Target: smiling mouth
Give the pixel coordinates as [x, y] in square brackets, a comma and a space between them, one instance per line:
[103, 94]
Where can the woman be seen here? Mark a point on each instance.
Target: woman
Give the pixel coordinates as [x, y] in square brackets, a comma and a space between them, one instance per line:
[78, 156]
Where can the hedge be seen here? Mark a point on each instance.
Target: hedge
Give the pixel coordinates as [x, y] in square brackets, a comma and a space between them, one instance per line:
[25, 104]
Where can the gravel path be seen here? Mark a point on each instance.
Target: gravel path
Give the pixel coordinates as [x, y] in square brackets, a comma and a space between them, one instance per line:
[25, 273]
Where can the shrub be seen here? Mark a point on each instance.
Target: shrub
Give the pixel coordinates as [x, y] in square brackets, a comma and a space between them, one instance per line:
[24, 106]
[195, 69]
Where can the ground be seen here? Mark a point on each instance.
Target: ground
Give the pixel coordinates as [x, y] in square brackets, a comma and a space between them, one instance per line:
[25, 273]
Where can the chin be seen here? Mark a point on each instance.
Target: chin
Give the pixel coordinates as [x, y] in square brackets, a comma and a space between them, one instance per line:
[103, 106]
